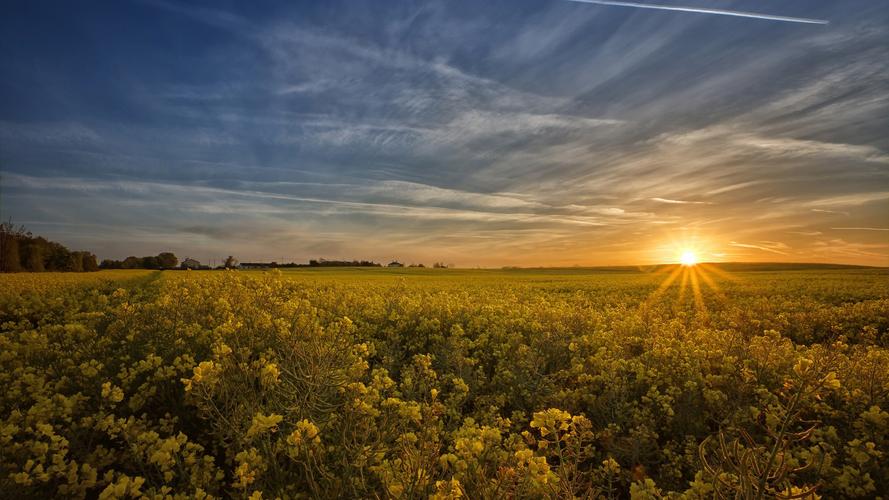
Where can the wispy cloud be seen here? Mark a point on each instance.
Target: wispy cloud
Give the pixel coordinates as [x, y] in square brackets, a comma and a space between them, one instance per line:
[861, 228]
[838, 248]
[680, 202]
[803, 148]
[823, 211]
[771, 247]
[701, 10]
[392, 199]
[850, 199]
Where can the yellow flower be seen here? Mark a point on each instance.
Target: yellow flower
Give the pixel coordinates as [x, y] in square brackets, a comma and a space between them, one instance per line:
[207, 372]
[537, 467]
[112, 392]
[244, 475]
[264, 423]
[831, 381]
[447, 490]
[249, 465]
[797, 492]
[524, 455]
[802, 366]
[551, 420]
[124, 487]
[269, 374]
[221, 349]
[396, 489]
[305, 431]
[469, 446]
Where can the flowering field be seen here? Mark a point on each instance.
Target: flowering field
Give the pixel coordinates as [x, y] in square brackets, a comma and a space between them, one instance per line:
[445, 383]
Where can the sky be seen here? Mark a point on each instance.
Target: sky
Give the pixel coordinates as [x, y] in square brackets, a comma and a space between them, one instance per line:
[495, 133]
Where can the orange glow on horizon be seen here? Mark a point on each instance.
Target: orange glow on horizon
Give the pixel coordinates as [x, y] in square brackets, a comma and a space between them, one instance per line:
[685, 249]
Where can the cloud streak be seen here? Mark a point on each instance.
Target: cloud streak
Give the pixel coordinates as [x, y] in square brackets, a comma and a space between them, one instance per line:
[700, 10]
[679, 202]
[771, 247]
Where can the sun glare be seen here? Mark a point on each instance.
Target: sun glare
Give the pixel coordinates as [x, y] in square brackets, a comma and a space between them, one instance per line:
[693, 274]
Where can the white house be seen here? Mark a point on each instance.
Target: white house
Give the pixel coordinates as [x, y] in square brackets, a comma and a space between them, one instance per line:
[190, 263]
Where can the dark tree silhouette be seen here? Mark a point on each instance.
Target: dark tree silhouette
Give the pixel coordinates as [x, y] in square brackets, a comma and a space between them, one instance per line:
[166, 260]
[22, 251]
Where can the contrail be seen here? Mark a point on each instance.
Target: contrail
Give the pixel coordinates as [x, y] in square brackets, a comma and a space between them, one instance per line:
[699, 10]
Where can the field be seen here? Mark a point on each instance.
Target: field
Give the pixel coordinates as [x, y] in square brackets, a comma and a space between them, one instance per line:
[750, 382]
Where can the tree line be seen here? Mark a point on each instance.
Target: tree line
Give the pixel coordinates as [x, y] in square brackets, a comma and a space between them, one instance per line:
[342, 263]
[163, 260]
[21, 251]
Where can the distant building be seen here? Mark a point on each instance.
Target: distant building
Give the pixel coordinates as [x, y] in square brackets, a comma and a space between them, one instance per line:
[190, 263]
[395, 263]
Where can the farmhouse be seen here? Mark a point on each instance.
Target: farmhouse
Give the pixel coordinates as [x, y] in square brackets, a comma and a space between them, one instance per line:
[190, 263]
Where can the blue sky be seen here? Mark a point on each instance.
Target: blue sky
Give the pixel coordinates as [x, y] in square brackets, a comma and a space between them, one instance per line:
[479, 133]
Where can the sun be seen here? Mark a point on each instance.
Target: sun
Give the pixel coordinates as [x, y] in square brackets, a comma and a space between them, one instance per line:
[688, 258]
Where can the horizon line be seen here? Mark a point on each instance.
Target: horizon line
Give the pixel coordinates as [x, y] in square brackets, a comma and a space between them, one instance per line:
[592, 266]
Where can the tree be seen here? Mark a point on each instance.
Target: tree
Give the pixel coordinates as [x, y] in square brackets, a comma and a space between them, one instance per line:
[230, 262]
[166, 260]
[32, 257]
[10, 259]
[55, 256]
[22, 251]
[90, 263]
[12, 239]
[75, 262]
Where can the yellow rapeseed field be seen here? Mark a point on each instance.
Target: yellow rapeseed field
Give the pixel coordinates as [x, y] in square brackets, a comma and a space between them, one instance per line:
[376, 383]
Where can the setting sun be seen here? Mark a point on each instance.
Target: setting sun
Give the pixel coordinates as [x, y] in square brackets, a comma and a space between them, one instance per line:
[688, 258]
